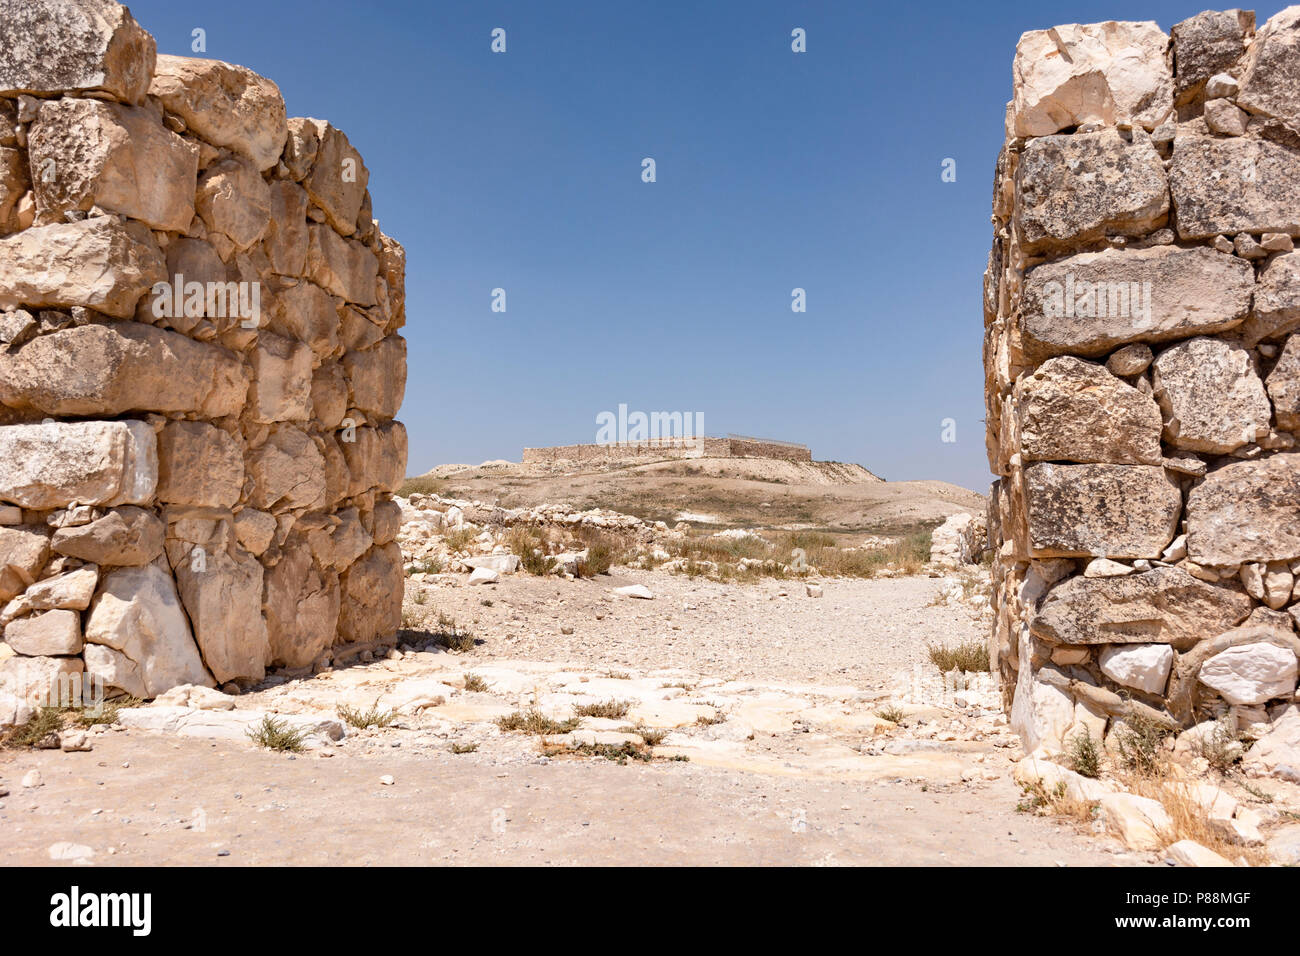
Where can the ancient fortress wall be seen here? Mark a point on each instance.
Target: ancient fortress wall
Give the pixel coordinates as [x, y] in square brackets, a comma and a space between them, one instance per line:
[1142, 375]
[199, 369]
[656, 450]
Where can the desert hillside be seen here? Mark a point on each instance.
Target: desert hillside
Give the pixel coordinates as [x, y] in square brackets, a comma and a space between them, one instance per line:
[727, 492]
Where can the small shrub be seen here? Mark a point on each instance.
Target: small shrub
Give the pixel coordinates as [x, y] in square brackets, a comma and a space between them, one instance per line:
[361, 719]
[1140, 742]
[612, 709]
[463, 748]
[275, 734]
[969, 657]
[458, 539]
[1221, 747]
[1084, 755]
[451, 636]
[473, 682]
[892, 713]
[42, 723]
[423, 485]
[533, 721]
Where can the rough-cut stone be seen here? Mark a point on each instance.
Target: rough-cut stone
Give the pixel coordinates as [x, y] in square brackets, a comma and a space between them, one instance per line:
[1277, 299]
[306, 312]
[97, 262]
[1112, 511]
[42, 681]
[1222, 116]
[1278, 751]
[302, 608]
[122, 367]
[338, 178]
[286, 235]
[1133, 359]
[371, 609]
[56, 464]
[1139, 821]
[1207, 44]
[23, 551]
[1161, 606]
[376, 458]
[49, 634]
[227, 105]
[199, 464]
[288, 471]
[70, 591]
[91, 153]
[124, 537]
[1104, 73]
[1246, 511]
[1123, 193]
[377, 377]
[67, 46]
[1092, 302]
[1227, 186]
[342, 267]
[282, 380]
[1270, 77]
[221, 588]
[1141, 666]
[329, 395]
[142, 639]
[1251, 673]
[1212, 399]
[1072, 410]
[255, 529]
[235, 201]
[1283, 385]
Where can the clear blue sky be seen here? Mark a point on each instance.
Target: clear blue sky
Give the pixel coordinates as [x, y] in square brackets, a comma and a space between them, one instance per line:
[775, 170]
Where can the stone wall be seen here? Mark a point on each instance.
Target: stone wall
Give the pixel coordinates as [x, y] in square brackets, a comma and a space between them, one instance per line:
[199, 369]
[658, 449]
[1143, 378]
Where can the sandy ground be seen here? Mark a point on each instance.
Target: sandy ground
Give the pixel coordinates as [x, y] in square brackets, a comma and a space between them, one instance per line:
[791, 764]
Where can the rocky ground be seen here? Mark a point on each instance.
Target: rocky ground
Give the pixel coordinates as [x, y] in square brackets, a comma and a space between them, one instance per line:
[772, 698]
[644, 715]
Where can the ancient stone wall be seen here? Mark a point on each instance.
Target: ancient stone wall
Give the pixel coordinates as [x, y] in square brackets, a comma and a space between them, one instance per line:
[199, 369]
[657, 449]
[1143, 378]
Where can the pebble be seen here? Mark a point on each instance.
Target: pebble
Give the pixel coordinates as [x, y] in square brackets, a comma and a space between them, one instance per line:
[387, 780]
[32, 779]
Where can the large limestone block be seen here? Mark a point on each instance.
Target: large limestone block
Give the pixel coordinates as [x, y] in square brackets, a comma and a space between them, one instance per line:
[1207, 44]
[1250, 674]
[23, 551]
[1072, 410]
[1161, 606]
[288, 471]
[55, 464]
[49, 634]
[1110, 511]
[1232, 185]
[1277, 299]
[1093, 73]
[97, 262]
[1246, 511]
[1212, 399]
[338, 178]
[221, 588]
[1090, 303]
[122, 367]
[1085, 187]
[121, 158]
[302, 607]
[1278, 751]
[372, 596]
[329, 395]
[301, 146]
[377, 377]
[392, 267]
[1041, 712]
[43, 680]
[70, 591]
[124, 537]
[308, 313]
[1141, 666]
[235, 201]
[376, 458]
[286, 236]
[282, 377]
[1140, 822]
[226, 105]
[58, 46]
[1283, 384]
[145, 644]
[341, 266]
[1270, 79]
[199, 464]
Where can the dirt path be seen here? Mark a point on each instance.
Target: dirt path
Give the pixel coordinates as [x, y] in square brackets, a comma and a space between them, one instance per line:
[763, 709]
